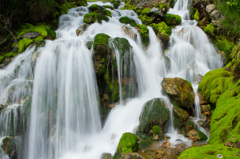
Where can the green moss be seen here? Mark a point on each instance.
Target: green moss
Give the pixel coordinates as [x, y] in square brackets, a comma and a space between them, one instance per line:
[100, 44]
[129, 7]
[196, 15]
[107, 12]
[108, 6]
[209, 29]
[213, 84]
[1, 59]
[127, 143]
[144, 144]
[143, 30]
[90, 18]
[210, 152]
[115, 3]
[202, 136]
[225, 122]
[146, 10]
[163, 31]
[156, 130]
[139, 12]
[145, 19]
[221, 87]
[121, 44]
[23, 44]
[172, 19]
[39, 39]
[127, 20]
[93, 8]
[164, 7]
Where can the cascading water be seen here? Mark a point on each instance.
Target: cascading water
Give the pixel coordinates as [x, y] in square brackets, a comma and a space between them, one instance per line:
[65, 121]
[190, 52]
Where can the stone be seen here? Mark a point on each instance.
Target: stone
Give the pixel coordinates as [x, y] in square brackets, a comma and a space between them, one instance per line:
[229, 144]
[106, 156]
[193, 135]
[31, 35]
[198, 78]
[210, 8]
[202, 101]
[81, 29]
[180, 91]
[129, 32]
[181, 114]
[216, 14]
[154, 113]
[156, 12]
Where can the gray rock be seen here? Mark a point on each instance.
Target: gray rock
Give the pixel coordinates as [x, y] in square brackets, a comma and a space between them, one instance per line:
[31, 35]
[210, 8]
[106, 156]
[216, 14]
[156, 12]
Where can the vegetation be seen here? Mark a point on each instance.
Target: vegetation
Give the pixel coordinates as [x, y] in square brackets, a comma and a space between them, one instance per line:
[231, 10]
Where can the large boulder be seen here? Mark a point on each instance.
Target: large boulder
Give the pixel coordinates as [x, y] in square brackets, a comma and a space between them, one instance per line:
[155, 112]
[179, 90]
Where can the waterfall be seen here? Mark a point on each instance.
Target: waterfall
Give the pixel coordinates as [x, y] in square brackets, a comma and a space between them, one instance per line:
[64, 119]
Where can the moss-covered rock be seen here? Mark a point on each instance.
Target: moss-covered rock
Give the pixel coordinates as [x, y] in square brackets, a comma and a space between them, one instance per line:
[94, 7]
[181, 114]
[163, 31]
[23, 44]
[121, 44]
[9, 146]
[172, 19]
[116, 3]
[210, 152]
[154, 113]
[93, 17]
[180, 91]
[127, 143]
[127, 20]
[143, 30]
[101, 48]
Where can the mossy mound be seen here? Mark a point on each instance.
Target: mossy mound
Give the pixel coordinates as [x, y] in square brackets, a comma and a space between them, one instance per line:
[127, 20]
[127, 143]
[163, 31]
[221, 88]
[154, 113]
[224, 45]
[179, 91]
[143, 30]
[172, 20]
[210, 152]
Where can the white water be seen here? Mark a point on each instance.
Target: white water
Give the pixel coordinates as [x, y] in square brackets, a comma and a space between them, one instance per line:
[65, 121]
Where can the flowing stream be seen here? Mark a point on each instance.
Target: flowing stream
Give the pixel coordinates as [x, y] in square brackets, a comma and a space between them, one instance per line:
[65, 118]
